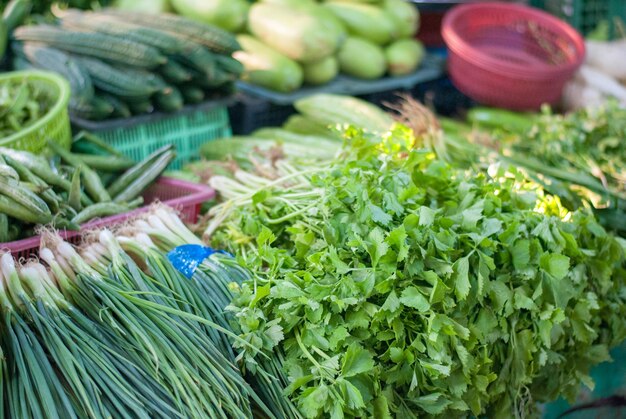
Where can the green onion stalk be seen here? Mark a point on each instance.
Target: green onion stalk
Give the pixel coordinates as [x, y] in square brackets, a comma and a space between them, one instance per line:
[121, 386]
[166, 341]
[160, 231]
[32, 389]
[294, 189]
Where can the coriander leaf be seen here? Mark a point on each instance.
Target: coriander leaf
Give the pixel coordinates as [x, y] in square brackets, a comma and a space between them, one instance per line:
[433, 403]
[379, 216]
[555, 264]
[352, 395]
[412, 297]
[472, 215]
[397, 239]
[521, 254]
[356, 361]
[313, 399]
[392, 303]
[340, 333]
[381, 408]
[521, 301]
[261, 196]
[275, 334]
[265, 237]
[461, 280]
[391, 203]
[377, 248]
[427, 216]
[491, 226]
[286, 290]
[340, 266]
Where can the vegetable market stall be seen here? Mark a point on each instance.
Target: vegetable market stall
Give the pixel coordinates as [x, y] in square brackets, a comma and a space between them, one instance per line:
[354, 262]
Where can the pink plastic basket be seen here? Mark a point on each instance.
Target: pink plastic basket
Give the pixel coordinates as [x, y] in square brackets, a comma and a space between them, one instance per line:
[509, 55]
[185, 197]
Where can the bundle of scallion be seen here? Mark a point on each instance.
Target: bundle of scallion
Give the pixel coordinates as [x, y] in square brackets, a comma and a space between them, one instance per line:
[63, 364]
[170, 344]
[114, 330]
[154, 234]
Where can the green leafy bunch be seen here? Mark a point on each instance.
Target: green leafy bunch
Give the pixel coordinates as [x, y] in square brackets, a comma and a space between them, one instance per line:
[579, 156]
[414, 289]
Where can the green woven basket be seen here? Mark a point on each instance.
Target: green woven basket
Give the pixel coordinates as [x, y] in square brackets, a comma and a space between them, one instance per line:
[54, 125]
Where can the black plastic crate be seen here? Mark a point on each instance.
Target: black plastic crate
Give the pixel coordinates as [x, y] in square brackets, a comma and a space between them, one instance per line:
[251, 113]
[443, 97]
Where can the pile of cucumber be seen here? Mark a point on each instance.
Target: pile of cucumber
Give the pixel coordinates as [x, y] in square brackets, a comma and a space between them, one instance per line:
[121, 64]
[70, 188]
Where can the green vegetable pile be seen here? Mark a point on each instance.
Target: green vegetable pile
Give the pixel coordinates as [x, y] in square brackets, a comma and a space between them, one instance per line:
[71, 188]
[580, 157]
[22, 104]
[122, 63]
[91, 334]
[400, 286]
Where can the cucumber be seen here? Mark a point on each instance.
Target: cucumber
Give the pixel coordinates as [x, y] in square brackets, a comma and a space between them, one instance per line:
[122, 83]
[169, 99]
[106, 47]
[52, 59]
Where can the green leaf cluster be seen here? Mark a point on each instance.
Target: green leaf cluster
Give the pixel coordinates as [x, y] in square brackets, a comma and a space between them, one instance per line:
[412, 288]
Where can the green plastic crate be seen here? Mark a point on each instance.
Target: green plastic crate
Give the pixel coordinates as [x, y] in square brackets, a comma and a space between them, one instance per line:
[187, 130]
[585, 15]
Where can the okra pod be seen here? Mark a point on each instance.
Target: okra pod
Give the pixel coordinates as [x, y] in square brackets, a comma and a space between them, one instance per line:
[146, 177]
[66, 224]
[23, 197]
[48, 195]
[8, 171]
[74, 196]
[105, 209]
[38, 166]
[4, 228]
[92, 181]
[105, 163]
[133, 173]
[15, 210]
[95, 140]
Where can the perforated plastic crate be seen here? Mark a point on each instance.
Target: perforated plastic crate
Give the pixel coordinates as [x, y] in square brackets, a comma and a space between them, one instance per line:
[251, 113]
[187, 130]
[585, 15]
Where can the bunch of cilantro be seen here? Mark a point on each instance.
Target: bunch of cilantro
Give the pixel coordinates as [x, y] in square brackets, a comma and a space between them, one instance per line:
[411, 289]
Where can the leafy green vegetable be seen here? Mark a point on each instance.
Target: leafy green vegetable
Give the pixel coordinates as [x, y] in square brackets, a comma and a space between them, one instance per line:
[404, 287]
